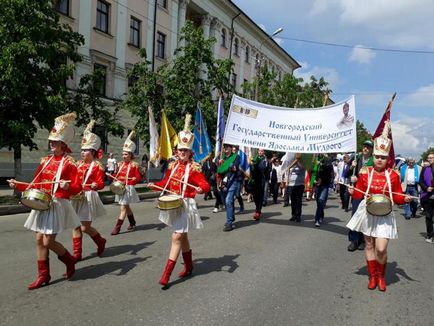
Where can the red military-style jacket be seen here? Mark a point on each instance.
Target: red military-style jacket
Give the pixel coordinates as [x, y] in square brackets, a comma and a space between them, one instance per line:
[96, 175]
[195, 177]
[134, 175]
[379, 184]
[48, 174]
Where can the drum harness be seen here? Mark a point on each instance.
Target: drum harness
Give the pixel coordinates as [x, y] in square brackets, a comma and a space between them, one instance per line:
[184, 178]
[56, 178]
[88, 172]
[127, 175]
[389, 184]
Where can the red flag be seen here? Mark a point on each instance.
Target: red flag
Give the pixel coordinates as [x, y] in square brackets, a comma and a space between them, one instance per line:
[378, 132]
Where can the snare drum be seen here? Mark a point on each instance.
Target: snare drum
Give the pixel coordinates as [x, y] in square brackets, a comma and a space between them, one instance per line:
[36, 199]
[117, 187]
[168, 202]
[378, 204]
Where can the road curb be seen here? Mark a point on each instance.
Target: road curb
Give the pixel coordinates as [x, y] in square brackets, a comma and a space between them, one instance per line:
[106, 199]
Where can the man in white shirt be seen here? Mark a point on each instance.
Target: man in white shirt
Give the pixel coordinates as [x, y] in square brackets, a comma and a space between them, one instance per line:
[410, 173]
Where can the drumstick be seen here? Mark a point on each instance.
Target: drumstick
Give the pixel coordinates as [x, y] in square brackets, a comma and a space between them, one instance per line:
[42, 183]
[393, 193]
[109, 175]
[188, 184]
[154, 186]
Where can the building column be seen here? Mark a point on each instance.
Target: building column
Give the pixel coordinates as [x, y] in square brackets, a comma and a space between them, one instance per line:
[206, 24]
[150, 30]
[174, 27]
[119, 80]
[215, 32]
[182, 14]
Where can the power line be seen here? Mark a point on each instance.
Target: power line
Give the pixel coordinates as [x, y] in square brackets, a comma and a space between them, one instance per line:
[356, 46]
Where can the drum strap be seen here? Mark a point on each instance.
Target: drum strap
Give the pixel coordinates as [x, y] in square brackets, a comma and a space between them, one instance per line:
[57, 177]
[120, 169]
[168, 180]
[185, 179]
[370, 177]
[43, 168]
[389, 184]
[88, 173]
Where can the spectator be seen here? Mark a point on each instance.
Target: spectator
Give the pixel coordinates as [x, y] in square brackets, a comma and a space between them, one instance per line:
[409, 181]
[426, 182]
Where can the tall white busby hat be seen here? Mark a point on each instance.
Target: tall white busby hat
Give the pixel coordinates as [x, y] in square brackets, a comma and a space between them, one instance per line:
[130, 145]
[63, 130]
[383, 143]
[186, 137]
[90, 140]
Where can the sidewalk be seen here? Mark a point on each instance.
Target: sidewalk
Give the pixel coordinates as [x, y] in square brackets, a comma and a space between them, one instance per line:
[106, 199]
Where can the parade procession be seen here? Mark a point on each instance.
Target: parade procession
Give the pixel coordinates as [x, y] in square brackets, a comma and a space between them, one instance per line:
[170, 163]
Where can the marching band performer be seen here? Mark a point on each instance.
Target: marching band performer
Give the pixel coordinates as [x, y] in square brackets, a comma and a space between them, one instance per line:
[377, 229]
[56, 175]
[129, 174]
[183, 177]
[87, 204]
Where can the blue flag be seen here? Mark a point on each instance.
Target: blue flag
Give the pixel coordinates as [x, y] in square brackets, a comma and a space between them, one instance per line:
[220, 128]
[201, 145]
[244, 162]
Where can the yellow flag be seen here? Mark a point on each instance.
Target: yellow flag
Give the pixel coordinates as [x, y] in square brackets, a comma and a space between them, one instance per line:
[168, 138]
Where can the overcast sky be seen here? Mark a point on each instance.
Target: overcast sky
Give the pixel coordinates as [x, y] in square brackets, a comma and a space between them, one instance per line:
[372, 76]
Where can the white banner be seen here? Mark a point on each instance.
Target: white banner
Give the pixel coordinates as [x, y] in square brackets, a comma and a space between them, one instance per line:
[329, 129]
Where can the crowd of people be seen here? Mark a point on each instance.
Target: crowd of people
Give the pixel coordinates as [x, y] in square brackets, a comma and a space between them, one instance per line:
[366, 185]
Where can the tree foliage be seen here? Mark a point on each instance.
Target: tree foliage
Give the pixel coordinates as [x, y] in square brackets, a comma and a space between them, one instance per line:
[424, 155]
[87, 102]
[362, 135]
[179, 86]
[35, 49]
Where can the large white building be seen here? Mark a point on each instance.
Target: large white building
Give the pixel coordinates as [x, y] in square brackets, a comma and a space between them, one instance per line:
[114, 30]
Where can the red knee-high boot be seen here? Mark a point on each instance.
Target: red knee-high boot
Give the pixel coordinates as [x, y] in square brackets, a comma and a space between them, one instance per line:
[69, 261]
[372, 271]
[77, 248]
[117, 227]
[132, 222]
[100, 243]
[188, 264]
[170, 265]
[43, 275]
[381, 271]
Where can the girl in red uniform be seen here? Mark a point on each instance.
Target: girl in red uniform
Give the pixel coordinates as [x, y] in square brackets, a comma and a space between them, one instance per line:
[129, 174]
[58, 175]
[187, 216]
[87, 204]
[377, 230]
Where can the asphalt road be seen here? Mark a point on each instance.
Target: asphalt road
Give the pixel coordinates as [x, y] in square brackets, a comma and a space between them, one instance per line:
[273, 272]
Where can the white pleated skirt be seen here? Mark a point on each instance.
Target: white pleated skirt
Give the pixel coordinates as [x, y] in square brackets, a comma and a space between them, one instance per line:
[129, 196]
[372, 225]
[90, 207]
[184, 218]
[58, 218]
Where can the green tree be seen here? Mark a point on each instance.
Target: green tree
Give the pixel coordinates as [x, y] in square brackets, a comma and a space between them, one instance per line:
[362, 135]
[87, 102]
[192, 76]
[36, 56]
[424, 155]
[145, 91]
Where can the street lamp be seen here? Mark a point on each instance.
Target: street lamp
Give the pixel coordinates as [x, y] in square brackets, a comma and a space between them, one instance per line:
[259, 61]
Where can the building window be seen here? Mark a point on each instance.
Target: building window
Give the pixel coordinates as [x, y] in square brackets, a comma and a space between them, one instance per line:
[101, 84]
[223, 37]
[234, 80]
[63, 7]
[236, 47]
[162, 3]
[135, 25]
[161, 45]
[102, 16]
[247, 58]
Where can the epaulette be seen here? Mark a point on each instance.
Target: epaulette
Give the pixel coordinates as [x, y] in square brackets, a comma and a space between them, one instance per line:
[45, 159]
[99, 164]
[134, 163]
[196, 167]
[70, 159]
[364, 170]
[171, 165]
